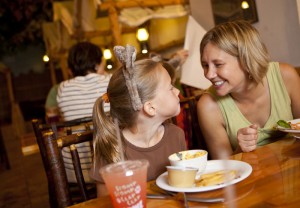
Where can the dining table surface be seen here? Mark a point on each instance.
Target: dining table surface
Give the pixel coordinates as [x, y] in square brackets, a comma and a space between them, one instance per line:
[273, 182]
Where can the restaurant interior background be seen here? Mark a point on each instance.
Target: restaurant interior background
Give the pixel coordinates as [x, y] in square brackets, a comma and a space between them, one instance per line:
[32, 28]
[50, 31]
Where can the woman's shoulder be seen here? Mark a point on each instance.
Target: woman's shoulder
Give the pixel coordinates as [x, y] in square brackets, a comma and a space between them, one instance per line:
[287, 70]
[289, 74]
[208, 102]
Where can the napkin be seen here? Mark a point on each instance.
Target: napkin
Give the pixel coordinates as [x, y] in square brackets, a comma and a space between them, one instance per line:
[192, 72]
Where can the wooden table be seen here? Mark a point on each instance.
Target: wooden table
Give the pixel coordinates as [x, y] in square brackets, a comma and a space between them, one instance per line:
[274, 181]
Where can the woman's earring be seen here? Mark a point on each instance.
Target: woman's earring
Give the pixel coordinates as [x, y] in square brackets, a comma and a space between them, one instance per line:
[250, 77]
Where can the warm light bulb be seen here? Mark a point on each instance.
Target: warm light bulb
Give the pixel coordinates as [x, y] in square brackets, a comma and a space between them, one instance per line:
[245, 5]
[142, 34]
[109, 66]
[46, 58]
[107, 54]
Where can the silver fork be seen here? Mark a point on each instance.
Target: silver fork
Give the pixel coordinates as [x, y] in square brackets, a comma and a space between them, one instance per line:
[168, 194]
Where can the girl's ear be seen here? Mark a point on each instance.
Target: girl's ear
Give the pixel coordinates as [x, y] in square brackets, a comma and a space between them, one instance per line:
[149, 109]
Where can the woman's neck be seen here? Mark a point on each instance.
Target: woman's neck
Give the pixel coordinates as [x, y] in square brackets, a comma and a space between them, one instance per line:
[251, 92]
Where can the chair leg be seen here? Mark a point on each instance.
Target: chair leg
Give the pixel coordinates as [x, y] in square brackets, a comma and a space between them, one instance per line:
[4, 163]
[52, 198]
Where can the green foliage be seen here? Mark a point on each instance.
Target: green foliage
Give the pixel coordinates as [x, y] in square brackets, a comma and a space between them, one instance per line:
[21, 22]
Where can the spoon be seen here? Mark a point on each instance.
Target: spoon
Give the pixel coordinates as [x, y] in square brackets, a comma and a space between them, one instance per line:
[179, 155]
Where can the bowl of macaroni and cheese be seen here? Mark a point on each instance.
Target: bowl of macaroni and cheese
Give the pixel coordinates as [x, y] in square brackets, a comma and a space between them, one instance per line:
[190, 158]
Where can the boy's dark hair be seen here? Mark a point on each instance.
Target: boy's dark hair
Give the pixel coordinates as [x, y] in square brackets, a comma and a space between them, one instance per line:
[83, 58]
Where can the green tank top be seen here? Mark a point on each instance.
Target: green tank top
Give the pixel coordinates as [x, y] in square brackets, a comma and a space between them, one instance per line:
[280, 109]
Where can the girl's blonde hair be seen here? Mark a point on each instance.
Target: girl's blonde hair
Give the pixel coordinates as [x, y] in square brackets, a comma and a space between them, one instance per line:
[146, 76]
[242, 40]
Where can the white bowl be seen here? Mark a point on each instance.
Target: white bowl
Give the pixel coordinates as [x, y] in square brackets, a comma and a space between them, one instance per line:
[198, 162]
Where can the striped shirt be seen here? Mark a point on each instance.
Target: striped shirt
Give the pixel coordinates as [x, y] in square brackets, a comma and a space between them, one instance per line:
[76, 97]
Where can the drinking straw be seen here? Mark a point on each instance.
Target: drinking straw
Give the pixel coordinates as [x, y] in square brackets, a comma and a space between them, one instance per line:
[119, 139]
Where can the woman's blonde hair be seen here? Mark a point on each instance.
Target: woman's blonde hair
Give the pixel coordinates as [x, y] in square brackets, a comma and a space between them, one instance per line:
[242, 40]
[146, 75]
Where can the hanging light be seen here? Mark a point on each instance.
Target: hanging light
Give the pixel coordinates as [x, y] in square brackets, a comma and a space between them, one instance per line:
[142, 35]
[245, 5]
[46, 58]
[107, 56]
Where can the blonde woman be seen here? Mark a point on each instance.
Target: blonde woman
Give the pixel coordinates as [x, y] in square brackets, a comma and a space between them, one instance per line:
[249, 94]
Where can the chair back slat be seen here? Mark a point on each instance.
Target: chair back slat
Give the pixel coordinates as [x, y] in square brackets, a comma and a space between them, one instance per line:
[39, 138]
[75, 138]
[78, 172]
[57, 169]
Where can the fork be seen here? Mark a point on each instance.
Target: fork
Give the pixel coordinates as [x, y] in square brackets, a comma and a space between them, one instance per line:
[177, 196]
[164, 194]
[267, 131]
[186, 203]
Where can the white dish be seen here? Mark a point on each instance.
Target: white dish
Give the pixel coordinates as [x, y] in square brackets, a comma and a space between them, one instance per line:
[280, 128]
[295, 133]
[243, 168]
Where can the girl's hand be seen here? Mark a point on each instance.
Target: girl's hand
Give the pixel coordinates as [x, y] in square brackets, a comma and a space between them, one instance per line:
[247, 138]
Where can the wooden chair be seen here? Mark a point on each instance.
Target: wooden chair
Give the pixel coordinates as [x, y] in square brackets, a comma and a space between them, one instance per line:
[190, 122]
[57, 169]
[76, 191]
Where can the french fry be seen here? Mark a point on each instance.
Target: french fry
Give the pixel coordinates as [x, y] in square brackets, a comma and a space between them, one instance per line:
[216, 178]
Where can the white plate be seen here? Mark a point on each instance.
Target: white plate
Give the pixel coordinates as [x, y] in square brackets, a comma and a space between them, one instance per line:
[280, 128]
[243, 169]
[295, 133]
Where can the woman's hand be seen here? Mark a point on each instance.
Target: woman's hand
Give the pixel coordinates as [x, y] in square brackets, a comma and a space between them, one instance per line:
[247, 138]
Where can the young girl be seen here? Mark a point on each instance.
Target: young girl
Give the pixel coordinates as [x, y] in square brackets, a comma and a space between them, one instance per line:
[141, 98]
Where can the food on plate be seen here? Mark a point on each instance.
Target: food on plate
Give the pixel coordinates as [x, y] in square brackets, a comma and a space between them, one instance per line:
[190, 158]
[188, 155]
[295, 126]
[289, 125]
[216, 178]
[283, 124]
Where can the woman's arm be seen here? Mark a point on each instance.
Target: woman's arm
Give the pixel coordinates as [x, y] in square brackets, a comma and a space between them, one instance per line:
[292, 82]
[212, 127]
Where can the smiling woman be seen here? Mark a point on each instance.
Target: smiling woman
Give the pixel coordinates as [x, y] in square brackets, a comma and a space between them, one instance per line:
[249, 94]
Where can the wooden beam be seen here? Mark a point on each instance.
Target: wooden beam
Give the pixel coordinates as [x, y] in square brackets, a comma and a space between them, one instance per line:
[114, 6]
[140, 3]
[115, 27]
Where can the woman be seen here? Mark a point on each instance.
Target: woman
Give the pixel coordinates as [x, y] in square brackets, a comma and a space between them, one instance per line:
[249, 94]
